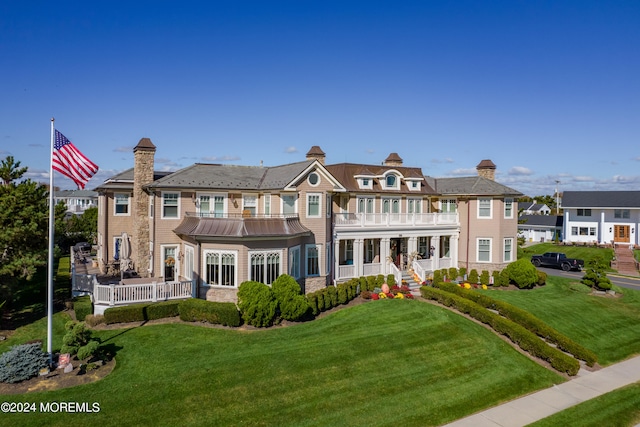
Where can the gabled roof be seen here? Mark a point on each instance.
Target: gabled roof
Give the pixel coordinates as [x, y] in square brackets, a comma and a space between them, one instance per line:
[124, 179]
[473, 186]
[540, 221]
[600, 199]
[345, 173]
[231, 177]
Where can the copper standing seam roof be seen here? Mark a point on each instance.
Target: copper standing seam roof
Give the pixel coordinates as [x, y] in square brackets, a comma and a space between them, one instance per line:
[197, 227]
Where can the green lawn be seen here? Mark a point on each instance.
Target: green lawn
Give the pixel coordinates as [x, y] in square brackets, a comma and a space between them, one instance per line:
[608, 326]
[395, 362]
[581, 252]
[619, 408]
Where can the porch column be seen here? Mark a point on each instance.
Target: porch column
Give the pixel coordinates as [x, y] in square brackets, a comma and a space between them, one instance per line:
[358, 247]
[384, 253]
[436, 241]
[336, 259]
[601, 228]
[453, 242]
[412, 246]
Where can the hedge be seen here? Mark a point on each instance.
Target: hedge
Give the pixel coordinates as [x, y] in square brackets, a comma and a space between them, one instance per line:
[141, 312]
[198, 310]
[82, 307]
[526, 320]
[524, 338]
[330, 297]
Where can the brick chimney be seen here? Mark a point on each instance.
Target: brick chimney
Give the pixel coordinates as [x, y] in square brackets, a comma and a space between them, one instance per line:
[143, 159]
[316, 153]
[487, 169]
[393, 160]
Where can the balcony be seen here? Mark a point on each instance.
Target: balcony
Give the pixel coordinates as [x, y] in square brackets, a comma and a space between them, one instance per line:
[352, 221]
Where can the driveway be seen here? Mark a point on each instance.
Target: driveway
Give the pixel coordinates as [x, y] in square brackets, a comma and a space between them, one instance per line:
[622, 281]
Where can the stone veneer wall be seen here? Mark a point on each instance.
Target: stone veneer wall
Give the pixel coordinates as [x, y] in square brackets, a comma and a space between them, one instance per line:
[143, 174]
[312, 284]
[222, 295]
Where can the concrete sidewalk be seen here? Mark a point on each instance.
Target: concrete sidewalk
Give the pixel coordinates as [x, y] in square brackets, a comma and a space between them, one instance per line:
[541, 404]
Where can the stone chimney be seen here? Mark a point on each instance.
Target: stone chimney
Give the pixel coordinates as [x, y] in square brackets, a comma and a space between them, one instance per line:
[393, 160]
[487, 169]
[143, 158]
[316, 153]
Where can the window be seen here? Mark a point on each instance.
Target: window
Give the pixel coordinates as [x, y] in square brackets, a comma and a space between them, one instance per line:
[391, 181]
[484, 208]
[583, 231]
[117, 243]
[264, 267]
[448, 206]
[391, 206]
[121, 204]
[484, 250]
[365, 183]
[250, 204]
[313, 205]
[294, 262]
[574, 231]
[313, 179]
[365, 205]
[423, 246]
[267, 204]
[446, 246]
[584, 212]
[170, 205]
[313, 258]
[220, 268]
[414, 206]
[621, 213]
[508, 208]
[289, 204]
[329, 204]
[508, 250]
[211, 205]
[413, 185]
[151, 207]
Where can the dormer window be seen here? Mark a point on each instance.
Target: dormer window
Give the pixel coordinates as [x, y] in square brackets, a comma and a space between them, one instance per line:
[391, 181]
[413, 185]
[365, 183]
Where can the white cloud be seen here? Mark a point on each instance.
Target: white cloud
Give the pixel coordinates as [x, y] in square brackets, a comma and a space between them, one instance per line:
[464, 172]
[123, 149]
[520, 170]
[220, 158]
[291, 150]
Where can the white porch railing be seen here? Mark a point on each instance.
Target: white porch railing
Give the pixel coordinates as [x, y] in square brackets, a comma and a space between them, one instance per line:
[346, 271]
[396, 273]
[147, 292]
[422, 267]
[372, 269]
[347, 220]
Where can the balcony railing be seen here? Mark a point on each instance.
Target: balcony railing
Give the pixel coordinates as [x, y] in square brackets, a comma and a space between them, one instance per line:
[350, 220]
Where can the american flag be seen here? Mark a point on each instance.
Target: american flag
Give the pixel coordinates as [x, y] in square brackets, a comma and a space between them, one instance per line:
[69, 161]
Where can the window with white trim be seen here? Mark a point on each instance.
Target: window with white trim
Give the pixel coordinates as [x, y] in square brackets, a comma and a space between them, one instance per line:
[264, 266]
[313, 205]
[169, 261]
[250, 204]
[508, 250]
[414, 206]
[448, 206]
[508, 208]
[211, 205]
[313, 179]
[294, 262]
[484, 208]
[391, 205]
[170, 205]
[289, 204]
[121, 204]
[584, 212]
[391, 181]
[365, 205]
[312, 257]
[220, 268]
[189, 257]
[267, 204]
[621, 213]
[484, 250]
[365, 183]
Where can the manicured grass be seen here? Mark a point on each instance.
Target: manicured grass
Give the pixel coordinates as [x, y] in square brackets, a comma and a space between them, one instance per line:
[610, 327]
[38, 331]
[581, 252]
[394, 362]
[617, 408]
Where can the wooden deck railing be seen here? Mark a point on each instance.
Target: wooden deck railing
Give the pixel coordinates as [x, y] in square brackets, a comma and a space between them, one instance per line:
[147, 292]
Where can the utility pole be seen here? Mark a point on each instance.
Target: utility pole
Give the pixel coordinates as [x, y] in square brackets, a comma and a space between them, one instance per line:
[557, 198]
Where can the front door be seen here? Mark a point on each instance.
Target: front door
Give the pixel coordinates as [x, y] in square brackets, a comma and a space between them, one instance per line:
[621, 233]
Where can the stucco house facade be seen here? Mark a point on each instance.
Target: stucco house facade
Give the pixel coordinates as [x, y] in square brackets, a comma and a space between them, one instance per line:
[602, 217]
[220, 225]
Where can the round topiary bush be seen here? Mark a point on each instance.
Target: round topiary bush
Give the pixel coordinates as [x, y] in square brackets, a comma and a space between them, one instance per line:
[257, 303]
[291, 304]
[522, 273]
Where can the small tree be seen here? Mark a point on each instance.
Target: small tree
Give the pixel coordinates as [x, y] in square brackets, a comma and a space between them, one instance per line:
[257, 303]
[473, 276]
[484, 277]
[595, 276]
[522, 273]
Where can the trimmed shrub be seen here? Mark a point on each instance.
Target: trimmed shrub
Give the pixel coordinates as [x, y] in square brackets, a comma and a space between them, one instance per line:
[473, 276]
[504, 278]
[522, 273]
[141, 312]
[22, 362]
[82, 307]
[452, 273]
[595, 275]
[496, 277]
[257, 303]
[367, 283]
[312, 300]
[219, 313]
[332, 292]
[77, 336]
[94, 320]
[437, 276]
[391, 280]
[379, 280]
[462, 271]
[291, 304]
[542, 278]
[88, 350]
[343, 296]
[484, 277]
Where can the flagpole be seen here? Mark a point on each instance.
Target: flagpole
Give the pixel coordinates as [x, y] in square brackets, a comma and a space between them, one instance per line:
[50, 264]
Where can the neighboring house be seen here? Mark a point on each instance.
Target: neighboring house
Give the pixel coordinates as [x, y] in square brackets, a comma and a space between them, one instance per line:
[601, 216]
[536, 209]
[221, 225]
[77, 201]
[540, 228]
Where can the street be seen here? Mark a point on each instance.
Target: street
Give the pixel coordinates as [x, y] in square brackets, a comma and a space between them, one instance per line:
[622, 281]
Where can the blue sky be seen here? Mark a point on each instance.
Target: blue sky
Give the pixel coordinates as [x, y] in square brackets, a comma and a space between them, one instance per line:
[548, 90]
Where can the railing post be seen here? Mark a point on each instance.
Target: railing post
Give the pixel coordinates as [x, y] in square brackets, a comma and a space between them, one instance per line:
[112, 289]
[154, 288]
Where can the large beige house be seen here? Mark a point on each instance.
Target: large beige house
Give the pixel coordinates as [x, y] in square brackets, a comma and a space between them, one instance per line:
[220, 225]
